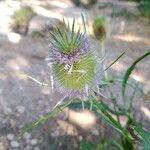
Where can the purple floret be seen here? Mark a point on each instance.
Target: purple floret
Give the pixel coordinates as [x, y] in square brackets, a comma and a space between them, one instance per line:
[61, 58]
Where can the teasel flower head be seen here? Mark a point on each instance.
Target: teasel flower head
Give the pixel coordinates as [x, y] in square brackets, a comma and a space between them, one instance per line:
[72, 62]
[100, 28]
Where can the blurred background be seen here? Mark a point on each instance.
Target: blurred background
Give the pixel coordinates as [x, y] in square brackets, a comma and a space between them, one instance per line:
[24, 40]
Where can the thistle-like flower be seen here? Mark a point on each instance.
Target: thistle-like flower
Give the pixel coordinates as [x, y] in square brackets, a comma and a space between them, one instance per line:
[71, 61]
[100, 28]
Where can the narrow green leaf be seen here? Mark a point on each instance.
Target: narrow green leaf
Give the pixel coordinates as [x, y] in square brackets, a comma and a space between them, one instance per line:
[60, 34]
[56, 39]
[83, 22]
[144, 136]
[129, 71]
[42, 120]
[115, 60]
[86, 146]
[77, 36]
[108, 118]
[117, 144]
[72, 32]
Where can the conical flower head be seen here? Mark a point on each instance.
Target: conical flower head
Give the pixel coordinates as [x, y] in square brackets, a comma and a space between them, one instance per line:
[100, 28]
[72, 61]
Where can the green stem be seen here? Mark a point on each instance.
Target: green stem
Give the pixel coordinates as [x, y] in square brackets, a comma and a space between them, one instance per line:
[103, 54]
[131, 99]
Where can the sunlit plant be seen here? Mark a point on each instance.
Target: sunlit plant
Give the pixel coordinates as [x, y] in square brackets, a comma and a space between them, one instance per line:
[100, 29]
[73, 71]
[72, 62]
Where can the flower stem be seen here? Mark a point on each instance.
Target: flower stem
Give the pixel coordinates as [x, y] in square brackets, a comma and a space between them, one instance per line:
[103, 53]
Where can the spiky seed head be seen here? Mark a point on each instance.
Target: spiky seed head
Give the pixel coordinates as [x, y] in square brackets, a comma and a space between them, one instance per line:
[72, 61]
[100, 28]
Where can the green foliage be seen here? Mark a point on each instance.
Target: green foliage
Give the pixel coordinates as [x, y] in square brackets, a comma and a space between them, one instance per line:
[144, 7]
[23, 15]
[129, 71]
[103, 110]
[86, 145]
[127, 136]
[144, 137]
[131, 134]
[103, 144]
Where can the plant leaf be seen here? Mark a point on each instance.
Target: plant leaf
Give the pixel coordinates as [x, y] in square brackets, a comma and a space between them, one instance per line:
[115, 60]
[42, 120]
[83, 22]
[144, 137]
[86, 146]
[129, 71]
[116, 144]
[108, 117]
[100, 109]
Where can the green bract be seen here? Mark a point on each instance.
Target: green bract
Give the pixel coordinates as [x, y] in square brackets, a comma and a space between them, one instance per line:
[82, 73]
[100, 28]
